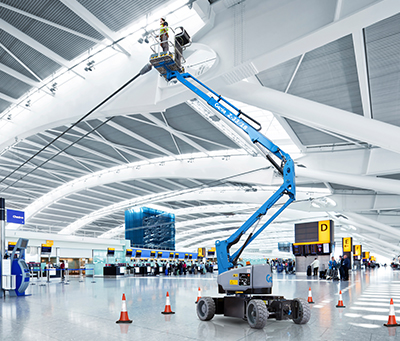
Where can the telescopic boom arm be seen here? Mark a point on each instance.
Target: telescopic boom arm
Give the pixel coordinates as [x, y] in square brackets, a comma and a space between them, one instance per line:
[168, 68]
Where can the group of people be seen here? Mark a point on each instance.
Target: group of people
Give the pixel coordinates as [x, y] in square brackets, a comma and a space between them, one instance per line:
[342, 266]
[178, 267]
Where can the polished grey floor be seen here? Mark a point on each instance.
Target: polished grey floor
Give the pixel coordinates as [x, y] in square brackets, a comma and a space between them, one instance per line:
[88, 311]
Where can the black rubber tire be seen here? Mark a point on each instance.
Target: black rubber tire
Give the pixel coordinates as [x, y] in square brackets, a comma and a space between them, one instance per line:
[304, 311]
[257, 314]
[205, 308]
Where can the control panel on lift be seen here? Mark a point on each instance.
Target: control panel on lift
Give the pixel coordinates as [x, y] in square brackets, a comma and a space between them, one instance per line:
[252, 279]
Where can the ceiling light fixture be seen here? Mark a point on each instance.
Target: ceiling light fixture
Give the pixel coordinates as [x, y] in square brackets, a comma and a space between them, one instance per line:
[90, 66]
[53, 88]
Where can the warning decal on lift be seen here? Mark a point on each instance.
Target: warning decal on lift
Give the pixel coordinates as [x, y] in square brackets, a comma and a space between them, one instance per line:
[233, 282]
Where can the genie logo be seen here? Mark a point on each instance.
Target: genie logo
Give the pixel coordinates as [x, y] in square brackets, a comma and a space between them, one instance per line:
[269, 279]
[221, 109]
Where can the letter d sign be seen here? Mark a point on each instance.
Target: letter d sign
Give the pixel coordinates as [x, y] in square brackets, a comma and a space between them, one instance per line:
[324, 231]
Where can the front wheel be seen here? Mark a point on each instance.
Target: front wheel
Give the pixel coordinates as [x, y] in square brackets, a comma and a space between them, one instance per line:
[257, 314]
[303, 311]
[205, 308]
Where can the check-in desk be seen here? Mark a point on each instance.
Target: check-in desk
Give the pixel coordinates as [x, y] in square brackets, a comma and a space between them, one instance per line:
[113, 271]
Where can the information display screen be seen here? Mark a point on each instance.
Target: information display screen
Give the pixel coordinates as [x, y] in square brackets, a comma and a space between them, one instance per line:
[298, 250]
[128, 253]
[171, 255]
[11, 246]
[307, 232]
[177, 255]
[311, 249]
[45, 250]
[152, 253]
[159, 255]
[138, 254]
[110, 252]
[316, 232]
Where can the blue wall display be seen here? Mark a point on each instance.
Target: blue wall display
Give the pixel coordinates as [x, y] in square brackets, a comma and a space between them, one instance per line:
[150, 228]
[16, 217]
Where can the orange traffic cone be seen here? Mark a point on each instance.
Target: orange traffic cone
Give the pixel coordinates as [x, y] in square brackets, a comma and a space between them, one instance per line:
[309, 300]
[124, 314]
[392, 319]
[167, 309]
[340, 303]
[198, 295]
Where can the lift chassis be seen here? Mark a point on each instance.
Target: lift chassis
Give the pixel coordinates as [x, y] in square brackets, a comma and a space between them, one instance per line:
[247, 288]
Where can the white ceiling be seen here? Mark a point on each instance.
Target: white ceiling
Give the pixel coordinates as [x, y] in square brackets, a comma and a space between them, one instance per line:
[322, 77]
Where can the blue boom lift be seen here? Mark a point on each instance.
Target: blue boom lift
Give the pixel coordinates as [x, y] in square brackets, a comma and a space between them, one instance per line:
[247, 288]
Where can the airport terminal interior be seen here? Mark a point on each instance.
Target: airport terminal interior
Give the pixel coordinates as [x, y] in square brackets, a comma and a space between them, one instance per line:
[199, 169]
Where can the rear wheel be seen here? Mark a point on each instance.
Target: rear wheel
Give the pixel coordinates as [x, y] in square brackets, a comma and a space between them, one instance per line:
[257, 314]
[205, 308]
[304, 311]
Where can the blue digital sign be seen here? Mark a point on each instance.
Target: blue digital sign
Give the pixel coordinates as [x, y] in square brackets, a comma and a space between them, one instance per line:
[16, 217]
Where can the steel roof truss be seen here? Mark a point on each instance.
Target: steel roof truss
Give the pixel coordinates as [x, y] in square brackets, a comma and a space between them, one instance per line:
[86, 149]
[361, 63]
[20, 62]
[141, 138]
[50, 23]
[93, 21]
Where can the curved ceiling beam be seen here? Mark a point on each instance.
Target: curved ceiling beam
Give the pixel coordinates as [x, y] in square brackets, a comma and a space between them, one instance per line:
[367, 182]
[189, 225]
[351, 203]
[318, 115]
[201, 168]
[304, 34]
[210, 238]
[214, 209]
[350, 222]
[378, 227]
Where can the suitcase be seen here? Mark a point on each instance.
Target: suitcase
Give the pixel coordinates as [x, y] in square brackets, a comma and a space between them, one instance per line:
[309, 270]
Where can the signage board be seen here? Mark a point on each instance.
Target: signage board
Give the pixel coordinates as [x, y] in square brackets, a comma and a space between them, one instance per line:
[317, 232]
[357, 250]
[15, 217]
[347, 244]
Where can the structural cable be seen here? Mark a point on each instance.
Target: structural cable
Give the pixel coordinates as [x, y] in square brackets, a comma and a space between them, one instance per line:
[144, 70]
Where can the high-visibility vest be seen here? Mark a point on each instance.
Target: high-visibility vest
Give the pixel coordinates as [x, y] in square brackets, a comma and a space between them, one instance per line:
[163, 30]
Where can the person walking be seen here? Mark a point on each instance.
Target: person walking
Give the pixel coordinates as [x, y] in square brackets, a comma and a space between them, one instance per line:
[315, 266]
[346, 268]
[62, 267]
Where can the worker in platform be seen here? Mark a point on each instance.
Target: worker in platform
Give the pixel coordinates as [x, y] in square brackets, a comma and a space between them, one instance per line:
[164, 35]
